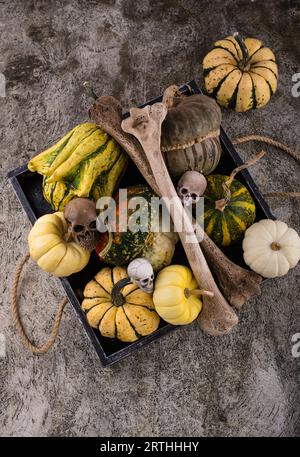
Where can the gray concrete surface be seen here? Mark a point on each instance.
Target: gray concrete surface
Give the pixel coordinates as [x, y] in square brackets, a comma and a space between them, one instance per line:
[187, 383]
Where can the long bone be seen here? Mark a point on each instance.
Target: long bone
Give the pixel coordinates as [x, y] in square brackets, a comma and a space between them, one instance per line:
[217, 317]
[236, 283]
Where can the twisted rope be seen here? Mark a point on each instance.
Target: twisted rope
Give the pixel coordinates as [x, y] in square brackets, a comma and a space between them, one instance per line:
[220, 204]
[283, 194]
[276, 144]
[270, 141]
[17, 319]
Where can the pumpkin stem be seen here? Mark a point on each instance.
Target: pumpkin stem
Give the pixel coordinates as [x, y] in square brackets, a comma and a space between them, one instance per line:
[104, 244]
[244, 63]
[169, 95]
[275, 246]
[197, 292]
[89, 90]
[116, 295]
[221, 204]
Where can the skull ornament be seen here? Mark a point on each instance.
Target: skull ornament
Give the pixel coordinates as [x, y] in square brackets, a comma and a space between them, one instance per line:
[140, 272]
[191, 187]
[81, 214]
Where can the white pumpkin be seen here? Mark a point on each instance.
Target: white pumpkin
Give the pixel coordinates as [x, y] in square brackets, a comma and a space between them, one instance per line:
[271, 248]
[51, 250]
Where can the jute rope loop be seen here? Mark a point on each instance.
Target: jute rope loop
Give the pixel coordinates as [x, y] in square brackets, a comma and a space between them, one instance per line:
[276, 144]
[283, 194]
[270, 141]
[17, 318]
[221, 204]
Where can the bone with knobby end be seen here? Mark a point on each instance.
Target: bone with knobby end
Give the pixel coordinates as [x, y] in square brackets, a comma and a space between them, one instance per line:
[217, 317]
[236, 283]
[106, 112]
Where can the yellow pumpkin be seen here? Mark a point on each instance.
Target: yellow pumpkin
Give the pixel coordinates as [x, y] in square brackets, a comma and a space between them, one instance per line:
[118, 308]
[49, 247]
[175, 295]
[240, 74]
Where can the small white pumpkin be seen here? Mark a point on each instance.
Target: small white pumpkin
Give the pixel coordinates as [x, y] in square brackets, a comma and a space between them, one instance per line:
[271, 248]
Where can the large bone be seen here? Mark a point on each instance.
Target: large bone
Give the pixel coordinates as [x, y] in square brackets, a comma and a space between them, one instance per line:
[217, 317]
[236, 283]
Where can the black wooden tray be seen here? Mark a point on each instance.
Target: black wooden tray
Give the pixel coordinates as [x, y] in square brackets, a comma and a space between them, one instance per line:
[28, 188]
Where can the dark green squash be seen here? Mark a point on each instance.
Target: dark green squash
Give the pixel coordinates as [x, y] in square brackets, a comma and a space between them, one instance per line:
[190, 133]
[228, 225]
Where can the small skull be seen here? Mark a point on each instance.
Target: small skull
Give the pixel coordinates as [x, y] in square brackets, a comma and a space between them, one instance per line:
[140, 272]
[82, 215]
[191, 187]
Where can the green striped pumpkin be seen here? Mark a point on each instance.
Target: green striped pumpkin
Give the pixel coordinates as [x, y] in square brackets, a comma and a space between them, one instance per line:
[87, 162]
[229, 225]
[240, 74]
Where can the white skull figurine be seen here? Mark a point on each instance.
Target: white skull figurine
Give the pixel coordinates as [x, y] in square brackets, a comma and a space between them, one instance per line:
[191, 187]
[140, 272]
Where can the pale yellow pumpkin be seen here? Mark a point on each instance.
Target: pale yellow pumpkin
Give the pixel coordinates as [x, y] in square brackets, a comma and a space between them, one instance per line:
[49, 247]
[173, 296]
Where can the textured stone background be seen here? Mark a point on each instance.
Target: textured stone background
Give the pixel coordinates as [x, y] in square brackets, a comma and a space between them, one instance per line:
[187, 383]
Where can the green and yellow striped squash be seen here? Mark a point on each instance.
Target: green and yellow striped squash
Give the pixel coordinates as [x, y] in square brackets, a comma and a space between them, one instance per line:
[240, 74]
[229, 225]
[87, 162]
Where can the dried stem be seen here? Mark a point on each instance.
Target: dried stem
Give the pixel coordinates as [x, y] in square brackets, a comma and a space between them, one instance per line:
[169, 95]
[198, 293]
[222, 203]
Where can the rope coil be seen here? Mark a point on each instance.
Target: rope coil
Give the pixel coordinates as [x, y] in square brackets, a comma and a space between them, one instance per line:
[17, 318]
[270, 141]
[276, 144]
[220, 204]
